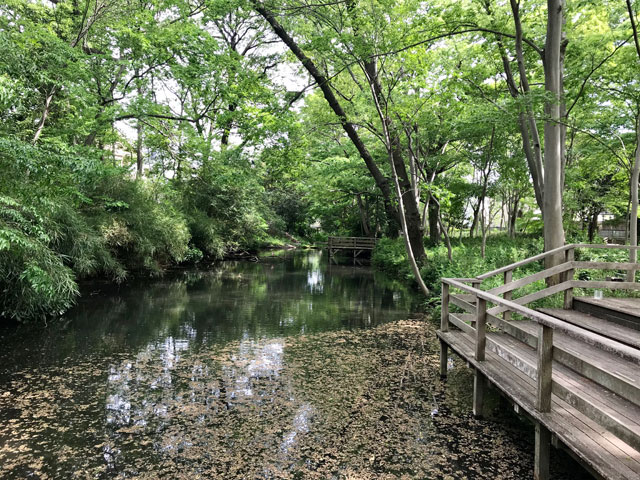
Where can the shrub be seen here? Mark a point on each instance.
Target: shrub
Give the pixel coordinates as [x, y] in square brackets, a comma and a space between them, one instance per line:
[34, 280]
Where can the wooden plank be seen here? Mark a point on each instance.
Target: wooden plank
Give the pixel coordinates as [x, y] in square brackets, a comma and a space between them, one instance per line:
[606, 285]
[456, 321]
[606, 265]
[544, 255]
[549, 272]
[542, 453]
[351, 243]
[598, 449]
[568, 276]
[444, 307]
[481, 329]
[463, 301]
[582, 388]
[522, 263]
[605, 246]
[630, 306]
[508, 295]
[532, 297]
[479, 388]
[624, 351]
[600, 455]
[605, 310]
[607, 409]
[620, 333]
[444, 359]
[545, 357]
[600, 404]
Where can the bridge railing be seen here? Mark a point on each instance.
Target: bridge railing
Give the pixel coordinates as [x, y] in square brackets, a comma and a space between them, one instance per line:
[506, 306]
[360, 243]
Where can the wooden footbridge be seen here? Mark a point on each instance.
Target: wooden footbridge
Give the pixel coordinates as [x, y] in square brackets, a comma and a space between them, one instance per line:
[355, 245]
[575, 371]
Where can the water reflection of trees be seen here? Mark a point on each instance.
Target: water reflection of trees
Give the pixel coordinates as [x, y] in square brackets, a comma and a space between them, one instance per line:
[189, 367]
[187, 404]
[299, 293]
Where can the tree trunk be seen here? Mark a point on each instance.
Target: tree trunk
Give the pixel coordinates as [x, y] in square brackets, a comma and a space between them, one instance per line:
[474, 222]
[633, 223]
[593, 225]
[408, 202]
[444, 231]
[45, 115]
[412, 259]
[323, 83]
[226, 131]
[553, 136]
[434, 231]
[363, 216]
[139, 159]
[513, 216]
[633, 217]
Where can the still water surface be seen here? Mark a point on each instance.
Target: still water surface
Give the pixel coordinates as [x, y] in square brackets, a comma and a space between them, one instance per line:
[108, 389]
[284, 369]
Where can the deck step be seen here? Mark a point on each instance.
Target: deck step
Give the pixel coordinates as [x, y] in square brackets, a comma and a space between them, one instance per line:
[607, 455]
[613, 412]
[606, 328]
[623, 311]
[603, 368]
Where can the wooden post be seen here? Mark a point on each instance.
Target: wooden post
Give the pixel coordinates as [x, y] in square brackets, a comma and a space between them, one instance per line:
[444, 327]
[568, 276]
[508, 276]
[545, 359]
[481, 328]
[444, 359]
[479, 382]
[479, 387]
[444, 308]
[542, 452]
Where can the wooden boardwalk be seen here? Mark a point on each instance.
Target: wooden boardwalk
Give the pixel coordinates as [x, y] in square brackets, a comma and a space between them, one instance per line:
[575, 371]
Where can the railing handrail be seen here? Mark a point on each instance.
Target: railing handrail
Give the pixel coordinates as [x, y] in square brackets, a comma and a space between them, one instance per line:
[555, 251]
[351, 241]
[543, 319]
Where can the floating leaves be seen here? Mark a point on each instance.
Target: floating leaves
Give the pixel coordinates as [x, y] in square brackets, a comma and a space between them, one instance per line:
[363, 404]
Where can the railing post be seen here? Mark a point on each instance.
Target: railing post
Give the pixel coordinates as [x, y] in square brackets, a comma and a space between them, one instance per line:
[508, 276]
[444, 327]
[545, 359]
[543, 401]
[444, 308]
[633, 258]
[479, 380]
[568, 276]
[481, 328]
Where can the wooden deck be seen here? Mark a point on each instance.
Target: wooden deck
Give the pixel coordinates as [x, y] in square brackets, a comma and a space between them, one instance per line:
[575, 373]
[356, 245]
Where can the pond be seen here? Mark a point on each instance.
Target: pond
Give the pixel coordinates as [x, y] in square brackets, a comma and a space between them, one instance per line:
[285, 368]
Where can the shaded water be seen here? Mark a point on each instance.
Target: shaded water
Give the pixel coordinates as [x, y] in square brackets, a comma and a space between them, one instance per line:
[287, 368]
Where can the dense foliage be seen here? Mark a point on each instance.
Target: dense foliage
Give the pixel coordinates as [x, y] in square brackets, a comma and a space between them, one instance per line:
[139, 135]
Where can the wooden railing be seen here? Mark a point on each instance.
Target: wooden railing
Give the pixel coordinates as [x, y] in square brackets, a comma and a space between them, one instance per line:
[547, 324]
[351, 243]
